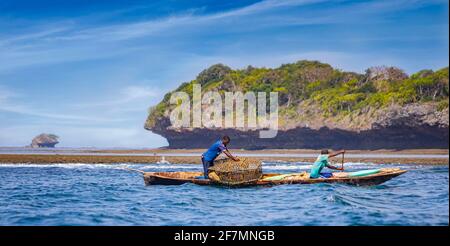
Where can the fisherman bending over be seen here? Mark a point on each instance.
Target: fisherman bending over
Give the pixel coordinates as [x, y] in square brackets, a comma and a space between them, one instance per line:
[321, 162]
[214, 151]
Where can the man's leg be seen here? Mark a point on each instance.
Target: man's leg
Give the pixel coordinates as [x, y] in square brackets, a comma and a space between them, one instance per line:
[205, 167]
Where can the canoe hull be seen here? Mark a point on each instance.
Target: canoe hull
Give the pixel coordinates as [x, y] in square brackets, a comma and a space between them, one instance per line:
[179, 178]
[358, 181]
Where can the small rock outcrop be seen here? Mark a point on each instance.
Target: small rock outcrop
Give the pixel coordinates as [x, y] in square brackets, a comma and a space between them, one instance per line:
[44, 141]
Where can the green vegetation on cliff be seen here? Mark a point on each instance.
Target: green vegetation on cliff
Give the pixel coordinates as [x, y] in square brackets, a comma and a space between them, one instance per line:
[332, 91]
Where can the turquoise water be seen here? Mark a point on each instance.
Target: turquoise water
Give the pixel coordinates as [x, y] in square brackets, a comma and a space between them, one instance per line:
[85, 194]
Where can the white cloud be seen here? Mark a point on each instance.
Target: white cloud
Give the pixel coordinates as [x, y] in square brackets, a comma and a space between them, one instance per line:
[66, 42]
[101, 137]
[137, 92]
[268, 5]
[150, 27]
[6, 94]
[10, 102]
[45, 32]
[21, 109]
[127, 95]
[119, 32]
[70, 42]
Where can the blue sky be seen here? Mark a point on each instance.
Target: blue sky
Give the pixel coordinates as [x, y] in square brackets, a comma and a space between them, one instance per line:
[88, 70]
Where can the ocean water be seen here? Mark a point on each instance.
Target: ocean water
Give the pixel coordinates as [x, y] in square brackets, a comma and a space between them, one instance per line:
[96, 194]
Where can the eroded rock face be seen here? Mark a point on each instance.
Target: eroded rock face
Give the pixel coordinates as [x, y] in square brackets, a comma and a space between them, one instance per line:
[403, 128]
[44, 141]
[412, 115]
[395, 127]
[306, 138]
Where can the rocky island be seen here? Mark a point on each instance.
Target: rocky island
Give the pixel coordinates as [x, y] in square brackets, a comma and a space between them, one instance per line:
[324, 107]
[44, 141]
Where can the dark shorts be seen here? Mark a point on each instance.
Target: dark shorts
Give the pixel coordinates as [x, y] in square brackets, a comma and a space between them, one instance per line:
[206, 165]
[326, 175]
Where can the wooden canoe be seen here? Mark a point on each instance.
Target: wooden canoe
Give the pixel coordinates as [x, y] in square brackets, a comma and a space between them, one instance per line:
[178, 178]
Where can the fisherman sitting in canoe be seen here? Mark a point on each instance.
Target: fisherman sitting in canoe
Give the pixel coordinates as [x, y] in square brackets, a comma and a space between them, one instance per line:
[321, 162]
[214, 151]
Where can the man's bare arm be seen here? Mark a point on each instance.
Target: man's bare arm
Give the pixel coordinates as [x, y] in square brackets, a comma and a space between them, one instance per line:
[333, 154]
[335, 168]
[227, 153]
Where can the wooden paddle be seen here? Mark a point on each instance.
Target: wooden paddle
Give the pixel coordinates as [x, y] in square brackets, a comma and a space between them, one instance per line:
[342, 162]
[133, 170]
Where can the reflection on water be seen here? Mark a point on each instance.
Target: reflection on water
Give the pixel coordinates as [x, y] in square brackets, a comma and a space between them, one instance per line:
[97, 194]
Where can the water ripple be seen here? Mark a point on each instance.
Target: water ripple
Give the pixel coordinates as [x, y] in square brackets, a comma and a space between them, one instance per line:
[93, 194]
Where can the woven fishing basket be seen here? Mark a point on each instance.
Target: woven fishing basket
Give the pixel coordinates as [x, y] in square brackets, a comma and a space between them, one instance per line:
[235, 173]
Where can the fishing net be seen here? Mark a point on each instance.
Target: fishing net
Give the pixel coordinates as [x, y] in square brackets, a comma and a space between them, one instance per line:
[235, 173]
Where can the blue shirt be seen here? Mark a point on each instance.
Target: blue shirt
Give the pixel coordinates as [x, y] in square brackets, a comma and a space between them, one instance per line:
[214, 151]
[318, 165]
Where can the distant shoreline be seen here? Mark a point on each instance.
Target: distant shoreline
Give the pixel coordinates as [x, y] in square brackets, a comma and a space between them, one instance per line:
[188, 156]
